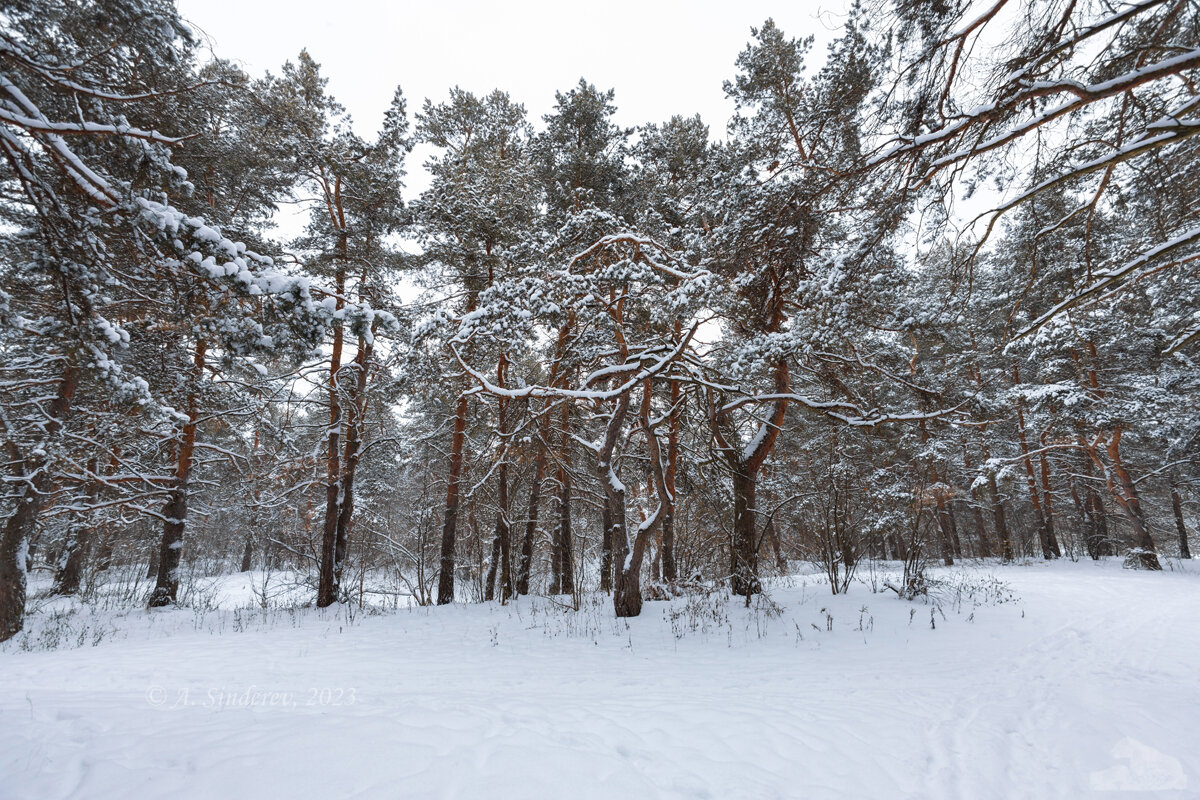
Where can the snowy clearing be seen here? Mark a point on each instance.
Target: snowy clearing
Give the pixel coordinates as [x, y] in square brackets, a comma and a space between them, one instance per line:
[1069, 680]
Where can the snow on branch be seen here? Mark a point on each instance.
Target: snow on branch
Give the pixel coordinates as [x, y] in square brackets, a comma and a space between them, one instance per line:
[847, 413]
[651, 371]
[1116, 277]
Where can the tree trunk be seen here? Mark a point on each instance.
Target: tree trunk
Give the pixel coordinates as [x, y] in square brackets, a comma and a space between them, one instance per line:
[34, 480]
[1099, 520]
[565, 550]
[955, 539]
[525, 566]
[561, 538]
[1081, 510]
[561, 573]
[566, 539]
[489, 583]
[151, 568]
[627, 589]
[248, 554]
[355, 420]
[17, 530]
[503, 528]
[1185, 552]
[998, 520]
[253, 516]
[477, 547]
[525, 560]
[104, 553]
[616, 542]
[656, 562]
[556, 536]
[69, 574]
[670, 571]
[606, 545]
[1097, 543]
[771, 532]
[946, 535]
[503, 546]
[1051, 540]
[327, 588]
[1125, 491]
[744, 549]
[341, 539]
[449, 538]
[170, 551]
[1030, 475]
[744, 467]
[985, 546]
[70, 570]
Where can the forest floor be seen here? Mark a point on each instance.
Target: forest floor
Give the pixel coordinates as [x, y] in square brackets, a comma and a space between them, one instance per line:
[1033, 681]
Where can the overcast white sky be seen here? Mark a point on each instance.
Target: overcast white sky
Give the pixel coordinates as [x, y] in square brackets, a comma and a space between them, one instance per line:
[662, 58]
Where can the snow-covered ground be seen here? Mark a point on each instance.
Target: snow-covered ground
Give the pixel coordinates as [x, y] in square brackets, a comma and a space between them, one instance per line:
[1067, 680]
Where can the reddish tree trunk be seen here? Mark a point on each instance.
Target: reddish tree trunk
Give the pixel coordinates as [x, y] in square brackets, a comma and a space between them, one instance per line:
[1125, 491]
[170, 552]
[327, 588]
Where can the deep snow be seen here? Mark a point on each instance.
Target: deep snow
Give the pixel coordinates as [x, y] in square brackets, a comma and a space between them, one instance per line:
[1067, 680]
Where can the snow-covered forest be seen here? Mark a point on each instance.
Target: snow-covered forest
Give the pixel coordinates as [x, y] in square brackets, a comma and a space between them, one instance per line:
[921, 317]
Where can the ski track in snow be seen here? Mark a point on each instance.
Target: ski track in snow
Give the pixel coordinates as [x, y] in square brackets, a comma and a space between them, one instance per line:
[1024, 700]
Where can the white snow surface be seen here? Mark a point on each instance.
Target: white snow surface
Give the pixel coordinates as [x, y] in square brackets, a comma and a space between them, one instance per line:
[1087, 684]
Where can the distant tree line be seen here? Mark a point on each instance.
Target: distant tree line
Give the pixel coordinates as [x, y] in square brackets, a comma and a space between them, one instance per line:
[933, 296]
